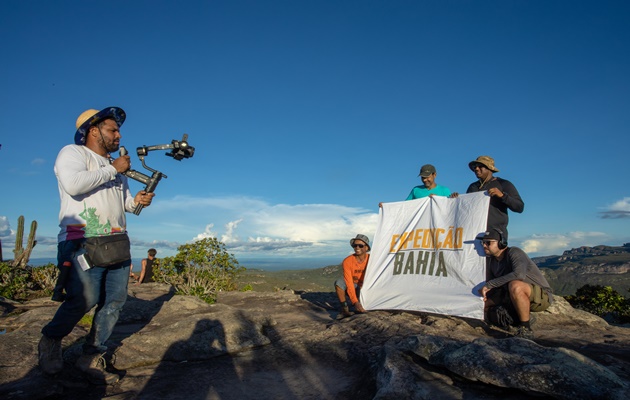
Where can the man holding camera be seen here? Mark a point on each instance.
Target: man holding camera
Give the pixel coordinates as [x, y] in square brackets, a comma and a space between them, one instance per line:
[93, 243]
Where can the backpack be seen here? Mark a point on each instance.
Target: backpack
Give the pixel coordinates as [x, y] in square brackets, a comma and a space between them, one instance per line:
[501, 312]
[500, 316]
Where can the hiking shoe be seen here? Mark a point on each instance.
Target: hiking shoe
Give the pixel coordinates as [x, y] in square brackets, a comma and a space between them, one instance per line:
[524, 332]
[94, 367]
[344, 313]
[50, 360]
[532, 319]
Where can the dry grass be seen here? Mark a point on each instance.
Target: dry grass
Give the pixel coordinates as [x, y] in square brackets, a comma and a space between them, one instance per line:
[312, 280]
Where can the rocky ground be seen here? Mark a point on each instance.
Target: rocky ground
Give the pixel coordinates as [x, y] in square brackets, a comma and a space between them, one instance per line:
[288, 344]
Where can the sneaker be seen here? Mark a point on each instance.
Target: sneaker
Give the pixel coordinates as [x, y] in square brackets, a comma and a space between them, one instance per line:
[524, 332]
[50, 360]
[94, 366]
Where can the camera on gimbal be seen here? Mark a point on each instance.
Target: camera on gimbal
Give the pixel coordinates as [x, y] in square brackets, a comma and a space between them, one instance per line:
[180, 149]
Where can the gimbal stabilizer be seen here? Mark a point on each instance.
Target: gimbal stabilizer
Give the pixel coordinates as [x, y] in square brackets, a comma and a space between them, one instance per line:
[180, 150]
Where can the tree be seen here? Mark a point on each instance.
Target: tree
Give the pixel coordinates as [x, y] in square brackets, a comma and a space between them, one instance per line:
[201, 269]
[602, 301]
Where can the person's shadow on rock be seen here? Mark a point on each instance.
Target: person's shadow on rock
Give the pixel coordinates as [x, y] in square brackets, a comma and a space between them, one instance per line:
[188, 369]
[326, 300]
[135, 315]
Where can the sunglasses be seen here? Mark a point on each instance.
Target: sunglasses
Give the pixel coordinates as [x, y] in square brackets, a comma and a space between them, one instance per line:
[487, 242]
[354, 245]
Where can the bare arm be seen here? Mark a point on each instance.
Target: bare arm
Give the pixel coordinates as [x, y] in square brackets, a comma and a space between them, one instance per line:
[144, 270]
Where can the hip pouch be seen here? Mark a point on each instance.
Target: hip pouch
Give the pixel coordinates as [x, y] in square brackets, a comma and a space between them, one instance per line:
[105, 251]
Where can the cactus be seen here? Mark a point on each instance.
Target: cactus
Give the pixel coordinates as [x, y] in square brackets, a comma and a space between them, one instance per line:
[22, 254]
[30, 243]
[19, 236]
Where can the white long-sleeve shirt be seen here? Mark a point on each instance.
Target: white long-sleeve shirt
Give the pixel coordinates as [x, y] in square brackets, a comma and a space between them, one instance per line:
[94, 197]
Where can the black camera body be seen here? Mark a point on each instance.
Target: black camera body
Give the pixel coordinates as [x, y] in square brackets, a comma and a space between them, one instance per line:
[180, 149]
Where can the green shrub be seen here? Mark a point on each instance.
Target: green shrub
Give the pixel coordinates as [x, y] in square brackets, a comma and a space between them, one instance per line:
[201, 269]
[13, 281]
[602, 301]
[44, 278]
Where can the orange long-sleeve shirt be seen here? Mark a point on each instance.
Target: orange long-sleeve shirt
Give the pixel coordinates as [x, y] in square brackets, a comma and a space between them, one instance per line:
[354, 273]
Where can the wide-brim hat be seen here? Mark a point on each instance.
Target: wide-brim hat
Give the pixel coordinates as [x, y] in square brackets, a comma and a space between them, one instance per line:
[362, 238]
[487, 161]
[92, 116]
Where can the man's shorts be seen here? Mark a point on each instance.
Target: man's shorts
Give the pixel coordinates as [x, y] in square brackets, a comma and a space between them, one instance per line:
[341, 283]
[538, 299]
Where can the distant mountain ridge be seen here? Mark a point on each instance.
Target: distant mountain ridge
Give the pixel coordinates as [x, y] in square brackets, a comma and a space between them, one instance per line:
[586, 254]
[598, 265]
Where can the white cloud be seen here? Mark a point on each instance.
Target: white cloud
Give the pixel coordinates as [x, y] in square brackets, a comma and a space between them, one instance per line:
[230, 236]
[38, 161]
[158, 244]
[313, 222]
[5, 226]
[619, 209]
[556, 244]
[207, 233]
[302, 230]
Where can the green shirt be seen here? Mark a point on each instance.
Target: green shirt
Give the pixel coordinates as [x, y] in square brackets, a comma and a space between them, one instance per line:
[421, 191]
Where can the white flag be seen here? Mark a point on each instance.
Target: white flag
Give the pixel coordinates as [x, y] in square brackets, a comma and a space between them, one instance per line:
[425, 257]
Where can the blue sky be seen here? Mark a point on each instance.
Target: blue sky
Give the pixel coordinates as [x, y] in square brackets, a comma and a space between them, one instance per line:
[306, 115]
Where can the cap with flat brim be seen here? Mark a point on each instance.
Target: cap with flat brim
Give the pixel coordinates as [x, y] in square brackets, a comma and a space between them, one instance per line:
[91, 117]
[492, 234]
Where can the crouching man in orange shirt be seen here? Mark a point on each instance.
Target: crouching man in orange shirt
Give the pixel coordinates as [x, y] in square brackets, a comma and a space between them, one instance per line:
[353, 274]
